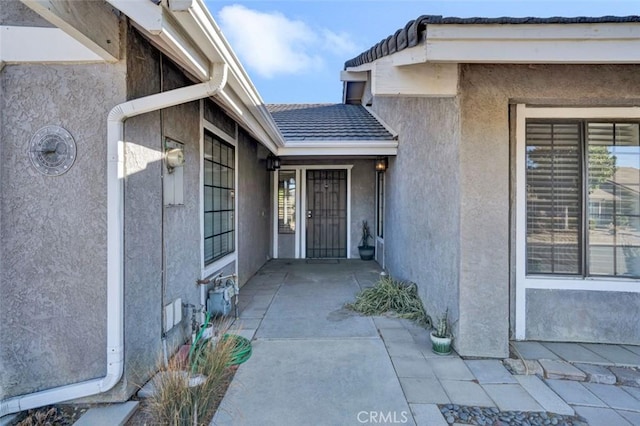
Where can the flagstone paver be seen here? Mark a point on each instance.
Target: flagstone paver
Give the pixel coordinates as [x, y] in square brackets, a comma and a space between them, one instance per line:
[616, 354]
[509, 397]
[466, 393]
[451, 369]
[597, 373]
[423, 391]
[490, 371]
[574, 393]
[533, 350]
[633, 348]
[631, 416]
[412, 367]
[627, 376]
[614, 397]
[575, 353]
[597, 416]
[427, 415]
[561, 370]
[547, 398]
[633, 391]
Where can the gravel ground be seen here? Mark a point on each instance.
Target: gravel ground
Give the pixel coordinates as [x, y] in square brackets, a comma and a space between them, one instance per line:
[484, 416]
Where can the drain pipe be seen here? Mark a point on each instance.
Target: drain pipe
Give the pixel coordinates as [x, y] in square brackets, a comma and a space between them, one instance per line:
[115, 240]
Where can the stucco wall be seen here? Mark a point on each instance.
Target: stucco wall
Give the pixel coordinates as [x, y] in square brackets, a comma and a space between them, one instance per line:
[14, 12]
[422, 236]
[53, 229]
[486, 91]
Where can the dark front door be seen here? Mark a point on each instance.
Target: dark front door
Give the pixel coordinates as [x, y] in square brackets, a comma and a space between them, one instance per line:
[326, 213]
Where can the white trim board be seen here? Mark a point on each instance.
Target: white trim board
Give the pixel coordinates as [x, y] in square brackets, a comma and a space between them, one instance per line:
[42, 45]
[524, 282]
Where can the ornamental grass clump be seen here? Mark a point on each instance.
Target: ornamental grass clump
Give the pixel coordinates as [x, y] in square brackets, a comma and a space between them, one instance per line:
[187, 398]
[392, 296]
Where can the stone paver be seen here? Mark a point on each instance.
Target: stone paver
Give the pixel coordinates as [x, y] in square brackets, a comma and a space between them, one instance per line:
[490, 371]
[423, 391]
[547, 398]
[561, 370]
[108, 415]
[396, 335]
[404, 349]
[510, 397]
[427, 415]
[450, 369]
[533, 350]
[616, 354]
[574, 353]
[412, 367]
[466, 393]
[574, 393]
[614, 397]
[633, 391]
[632, 417]
[527, 366]
[633, 348]
[601, 416]
[597, 373]
[385, 322]
[627, 376]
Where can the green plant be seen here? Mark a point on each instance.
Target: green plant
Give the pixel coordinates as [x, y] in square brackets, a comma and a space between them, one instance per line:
[389, 295]
[190, 398]
[366, 234]
[442, 327]
[45, 416]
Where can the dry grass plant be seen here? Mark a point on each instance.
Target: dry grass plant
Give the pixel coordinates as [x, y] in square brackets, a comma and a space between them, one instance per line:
[389, 295]
[176, 403]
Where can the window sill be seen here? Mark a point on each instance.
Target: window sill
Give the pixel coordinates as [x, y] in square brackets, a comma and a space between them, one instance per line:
[217, 265]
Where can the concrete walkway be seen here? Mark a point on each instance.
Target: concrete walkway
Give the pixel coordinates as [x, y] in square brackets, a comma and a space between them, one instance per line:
[316, 363]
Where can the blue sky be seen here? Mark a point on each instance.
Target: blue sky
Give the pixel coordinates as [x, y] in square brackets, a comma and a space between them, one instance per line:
[294, 50]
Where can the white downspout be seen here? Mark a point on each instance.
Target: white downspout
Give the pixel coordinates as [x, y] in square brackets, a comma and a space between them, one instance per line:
[115, 246]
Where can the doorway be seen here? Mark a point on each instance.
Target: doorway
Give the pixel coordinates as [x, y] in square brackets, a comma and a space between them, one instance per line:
[326, 213]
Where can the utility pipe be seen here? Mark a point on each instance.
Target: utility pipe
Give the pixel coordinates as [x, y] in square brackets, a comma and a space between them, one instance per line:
[115, 239]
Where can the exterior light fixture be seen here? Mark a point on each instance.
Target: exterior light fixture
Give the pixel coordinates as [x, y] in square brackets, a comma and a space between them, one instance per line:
[381, 164]
[273, 163]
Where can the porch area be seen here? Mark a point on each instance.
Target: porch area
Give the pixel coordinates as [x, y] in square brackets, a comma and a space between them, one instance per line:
[314, 362]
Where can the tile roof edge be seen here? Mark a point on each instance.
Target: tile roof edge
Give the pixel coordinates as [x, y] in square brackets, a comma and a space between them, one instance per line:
[409, 36]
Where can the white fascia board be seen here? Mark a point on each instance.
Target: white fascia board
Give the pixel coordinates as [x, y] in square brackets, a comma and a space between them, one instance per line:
[146, 13]
[605, 43]
[42, 45]
[425, 79]
[354, 76]
[334, 148]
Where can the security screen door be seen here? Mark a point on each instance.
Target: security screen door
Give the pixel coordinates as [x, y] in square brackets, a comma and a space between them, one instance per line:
[326, 232]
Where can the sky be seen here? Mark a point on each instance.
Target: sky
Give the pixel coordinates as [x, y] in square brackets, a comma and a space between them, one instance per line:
[294, 50]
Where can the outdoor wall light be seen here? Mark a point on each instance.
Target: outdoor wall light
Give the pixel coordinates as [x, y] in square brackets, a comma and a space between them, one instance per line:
[273, 163]
[381, 164]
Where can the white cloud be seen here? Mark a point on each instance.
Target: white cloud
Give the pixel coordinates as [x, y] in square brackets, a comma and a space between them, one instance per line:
[271, 43]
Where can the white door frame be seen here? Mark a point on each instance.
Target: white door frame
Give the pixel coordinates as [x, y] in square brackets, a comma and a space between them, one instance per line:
[301, 205]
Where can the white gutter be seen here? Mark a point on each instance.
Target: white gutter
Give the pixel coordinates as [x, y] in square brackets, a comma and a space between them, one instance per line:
[115, 240]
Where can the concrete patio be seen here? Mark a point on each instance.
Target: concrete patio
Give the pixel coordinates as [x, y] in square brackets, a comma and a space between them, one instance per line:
[314, 362]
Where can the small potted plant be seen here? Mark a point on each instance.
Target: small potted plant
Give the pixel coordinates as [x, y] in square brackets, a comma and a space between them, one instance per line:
[366, 251]
[441, 336]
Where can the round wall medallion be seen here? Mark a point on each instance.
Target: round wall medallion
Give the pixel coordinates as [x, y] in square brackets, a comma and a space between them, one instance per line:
[52, 150]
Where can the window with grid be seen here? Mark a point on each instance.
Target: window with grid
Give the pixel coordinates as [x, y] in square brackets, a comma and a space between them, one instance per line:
[583, 198]
[219, 198]
[287, 202]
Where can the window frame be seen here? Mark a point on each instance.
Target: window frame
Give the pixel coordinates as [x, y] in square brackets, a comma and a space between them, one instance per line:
[221, 262]
[380, 204]
[524, 282]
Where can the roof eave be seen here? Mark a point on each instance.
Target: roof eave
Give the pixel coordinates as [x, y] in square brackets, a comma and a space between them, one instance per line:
[339, 148]
[588, 43]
